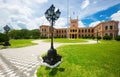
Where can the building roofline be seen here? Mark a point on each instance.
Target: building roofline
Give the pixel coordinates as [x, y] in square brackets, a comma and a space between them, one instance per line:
[106, 22]
[45, 25]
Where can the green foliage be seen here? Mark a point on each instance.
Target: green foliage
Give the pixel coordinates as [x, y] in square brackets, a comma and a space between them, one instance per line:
[93, 37]
[106, 37]
[88, 37]
[35, 34]
[98, 37]
[24, 34]
[3, 37]
[117, 38]
[43, 37]
[94, 60]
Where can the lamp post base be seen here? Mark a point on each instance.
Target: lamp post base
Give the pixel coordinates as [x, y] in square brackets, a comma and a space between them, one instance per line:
[52, 58]
[6, 43]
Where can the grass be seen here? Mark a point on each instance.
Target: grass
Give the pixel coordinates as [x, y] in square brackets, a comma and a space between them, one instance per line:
[64, 40]
[21, 43]
[95, 60]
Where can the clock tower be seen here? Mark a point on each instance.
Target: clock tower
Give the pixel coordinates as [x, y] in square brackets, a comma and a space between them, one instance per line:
[73, 23]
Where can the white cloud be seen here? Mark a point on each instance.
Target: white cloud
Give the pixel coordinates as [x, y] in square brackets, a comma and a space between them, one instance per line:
[61, 23]
[19, 13]
[93, 24]
[29, 13]
[42, 21]
[94, 2]
[116, 16]
[94, 8]
[80, 24]
[85, 3]
[40, 1]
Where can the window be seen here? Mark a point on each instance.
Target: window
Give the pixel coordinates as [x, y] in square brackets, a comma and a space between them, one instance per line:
[82, 30]
[79, 30]
[85, 30]
[73, 30]
[106, 27]
[44, 30]
[92, 30]
[111, 27]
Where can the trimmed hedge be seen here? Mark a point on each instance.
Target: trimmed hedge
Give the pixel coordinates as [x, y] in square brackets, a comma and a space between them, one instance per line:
[107, 37]
[117, 38]
[98, 37]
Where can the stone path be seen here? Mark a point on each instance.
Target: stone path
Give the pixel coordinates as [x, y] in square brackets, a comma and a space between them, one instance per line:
[22, 62]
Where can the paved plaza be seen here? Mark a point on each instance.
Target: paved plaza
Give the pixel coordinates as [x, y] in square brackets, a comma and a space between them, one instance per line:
[22, 62]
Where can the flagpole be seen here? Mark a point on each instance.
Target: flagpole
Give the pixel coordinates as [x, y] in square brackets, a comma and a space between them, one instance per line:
[67, 18]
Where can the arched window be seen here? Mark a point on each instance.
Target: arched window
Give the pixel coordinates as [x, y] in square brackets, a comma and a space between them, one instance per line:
[82, 30]
[85, 30]
[111, 27]
[73, 30]
[106, 27]
[88, 30]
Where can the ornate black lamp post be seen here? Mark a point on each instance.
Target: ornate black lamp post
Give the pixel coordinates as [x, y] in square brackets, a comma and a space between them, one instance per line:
[52, 58]
[7, 29]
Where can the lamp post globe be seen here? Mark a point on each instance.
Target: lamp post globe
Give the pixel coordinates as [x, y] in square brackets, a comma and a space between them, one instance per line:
[52, 58]
[7, 29]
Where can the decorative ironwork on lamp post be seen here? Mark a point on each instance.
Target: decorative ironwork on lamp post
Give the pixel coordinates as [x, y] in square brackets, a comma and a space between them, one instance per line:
[52, 58]
[7, 29]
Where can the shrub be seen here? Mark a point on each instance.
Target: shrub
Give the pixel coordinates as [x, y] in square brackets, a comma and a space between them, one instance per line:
[117, 38]
[93, 37]
[3, 37]
[27, 37]
[43, 37]
[107, 37]
[36, 37]
[98, 37]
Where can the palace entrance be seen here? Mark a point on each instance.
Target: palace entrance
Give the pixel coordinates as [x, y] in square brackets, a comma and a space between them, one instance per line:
[73, 36]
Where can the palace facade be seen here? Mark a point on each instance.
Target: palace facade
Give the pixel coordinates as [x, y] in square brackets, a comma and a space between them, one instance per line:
[109, 28]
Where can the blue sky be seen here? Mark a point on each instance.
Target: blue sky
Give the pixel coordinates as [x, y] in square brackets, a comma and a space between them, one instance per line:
[29, 14]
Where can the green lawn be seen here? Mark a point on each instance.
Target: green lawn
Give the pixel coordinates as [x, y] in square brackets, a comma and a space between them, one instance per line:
[95, 60]
[64, 40]
[21, 43]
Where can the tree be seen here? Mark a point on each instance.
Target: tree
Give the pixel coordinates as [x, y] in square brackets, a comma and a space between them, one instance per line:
[3, 37]
[24, 34]
[35, 34]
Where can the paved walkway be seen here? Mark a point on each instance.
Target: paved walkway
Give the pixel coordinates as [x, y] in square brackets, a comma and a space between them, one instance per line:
[22, 62]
